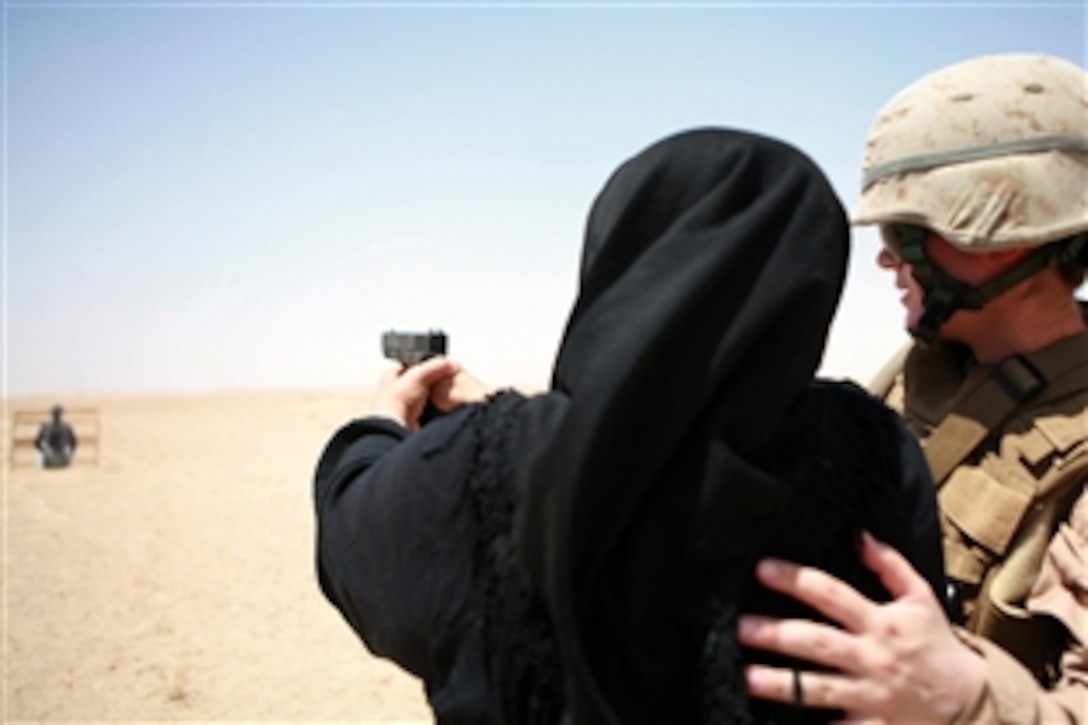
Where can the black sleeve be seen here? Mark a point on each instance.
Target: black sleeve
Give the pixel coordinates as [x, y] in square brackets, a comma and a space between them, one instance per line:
[881, 467]
[394, 537]
[908, 520]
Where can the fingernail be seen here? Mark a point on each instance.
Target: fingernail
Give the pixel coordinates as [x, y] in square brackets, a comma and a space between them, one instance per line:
[769, 569]
[748, 626]
[868, 540]
[755, 676]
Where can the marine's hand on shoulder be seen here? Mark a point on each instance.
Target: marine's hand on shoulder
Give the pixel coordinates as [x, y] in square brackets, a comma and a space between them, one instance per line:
[893, 662]
[403, 392]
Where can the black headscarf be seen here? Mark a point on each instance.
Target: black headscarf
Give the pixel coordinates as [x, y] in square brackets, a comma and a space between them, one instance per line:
[712, 266]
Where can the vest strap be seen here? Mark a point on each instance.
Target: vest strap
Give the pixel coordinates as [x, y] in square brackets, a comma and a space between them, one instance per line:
[990, 401]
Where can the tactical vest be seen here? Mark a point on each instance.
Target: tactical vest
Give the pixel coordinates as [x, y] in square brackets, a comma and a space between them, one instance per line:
[1008, 448]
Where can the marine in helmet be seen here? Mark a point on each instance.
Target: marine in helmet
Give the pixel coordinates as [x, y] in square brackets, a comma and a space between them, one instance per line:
[977, 179]
[56, 440]
[985, 159]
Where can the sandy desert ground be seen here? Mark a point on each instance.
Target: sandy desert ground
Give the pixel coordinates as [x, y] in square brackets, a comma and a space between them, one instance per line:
[173, 579]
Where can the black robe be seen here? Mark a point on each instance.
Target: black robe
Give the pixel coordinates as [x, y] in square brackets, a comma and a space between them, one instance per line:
[583, 554]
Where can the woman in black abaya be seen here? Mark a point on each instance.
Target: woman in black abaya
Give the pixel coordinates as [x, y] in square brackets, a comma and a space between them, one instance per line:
[581, 555]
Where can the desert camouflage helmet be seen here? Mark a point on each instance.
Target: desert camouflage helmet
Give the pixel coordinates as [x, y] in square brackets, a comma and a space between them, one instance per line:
[989, 153]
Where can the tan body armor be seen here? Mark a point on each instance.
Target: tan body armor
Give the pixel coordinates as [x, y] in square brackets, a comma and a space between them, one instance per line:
[1008, 447]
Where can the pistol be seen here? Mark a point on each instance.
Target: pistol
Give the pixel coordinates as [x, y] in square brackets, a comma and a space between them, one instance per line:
[412, 348]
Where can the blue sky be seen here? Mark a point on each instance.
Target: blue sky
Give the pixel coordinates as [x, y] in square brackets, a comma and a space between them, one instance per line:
[203, 196]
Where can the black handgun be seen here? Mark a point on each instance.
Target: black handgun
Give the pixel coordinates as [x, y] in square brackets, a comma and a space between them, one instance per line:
[412, 348]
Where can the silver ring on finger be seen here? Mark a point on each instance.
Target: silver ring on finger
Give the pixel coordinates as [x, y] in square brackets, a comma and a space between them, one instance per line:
[798, 690]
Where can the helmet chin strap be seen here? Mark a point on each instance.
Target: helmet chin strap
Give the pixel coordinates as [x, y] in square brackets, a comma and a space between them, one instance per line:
[943, 295]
